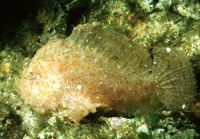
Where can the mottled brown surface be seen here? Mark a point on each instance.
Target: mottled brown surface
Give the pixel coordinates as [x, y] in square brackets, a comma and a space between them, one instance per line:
[96, 67]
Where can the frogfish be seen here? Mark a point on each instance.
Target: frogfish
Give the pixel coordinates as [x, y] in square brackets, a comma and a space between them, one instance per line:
[98, 69]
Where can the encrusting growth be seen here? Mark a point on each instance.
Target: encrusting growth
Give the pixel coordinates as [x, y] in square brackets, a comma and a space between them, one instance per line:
[96, 68]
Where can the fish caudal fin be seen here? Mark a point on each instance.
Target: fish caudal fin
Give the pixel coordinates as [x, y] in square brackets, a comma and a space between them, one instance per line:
[174, 76]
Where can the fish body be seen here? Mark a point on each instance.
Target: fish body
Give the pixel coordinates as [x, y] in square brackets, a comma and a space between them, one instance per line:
[96, 68]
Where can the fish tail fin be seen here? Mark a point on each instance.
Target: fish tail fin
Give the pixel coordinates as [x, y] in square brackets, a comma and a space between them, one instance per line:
[174, 76]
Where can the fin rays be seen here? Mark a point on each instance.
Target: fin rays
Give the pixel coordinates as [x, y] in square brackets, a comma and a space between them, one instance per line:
[175, 78]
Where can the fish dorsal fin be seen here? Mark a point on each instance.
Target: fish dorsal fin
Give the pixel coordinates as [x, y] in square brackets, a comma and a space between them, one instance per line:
[111, 48]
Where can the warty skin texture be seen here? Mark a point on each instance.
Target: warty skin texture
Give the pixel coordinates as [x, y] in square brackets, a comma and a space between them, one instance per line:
[96, 68]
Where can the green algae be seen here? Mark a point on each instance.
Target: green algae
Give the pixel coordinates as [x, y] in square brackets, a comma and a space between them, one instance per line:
[181, 29]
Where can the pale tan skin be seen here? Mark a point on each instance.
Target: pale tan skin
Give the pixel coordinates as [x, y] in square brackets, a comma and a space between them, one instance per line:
[90, 69]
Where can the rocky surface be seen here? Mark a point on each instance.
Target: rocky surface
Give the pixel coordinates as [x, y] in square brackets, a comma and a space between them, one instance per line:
[149, 23]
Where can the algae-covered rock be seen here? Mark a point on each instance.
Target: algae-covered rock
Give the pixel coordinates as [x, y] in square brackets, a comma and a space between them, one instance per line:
[161, 23]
